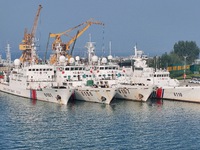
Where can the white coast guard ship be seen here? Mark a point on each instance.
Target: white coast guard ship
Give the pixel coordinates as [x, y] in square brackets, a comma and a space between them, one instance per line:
[73, 73]
[85, 90]
[102, 71]
[148, 75]
[35, 81]
[167, 88]
[181, 93]
[141, 73]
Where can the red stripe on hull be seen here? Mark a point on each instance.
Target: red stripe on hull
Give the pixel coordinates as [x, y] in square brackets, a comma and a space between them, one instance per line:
[159, 93]
[33, 94]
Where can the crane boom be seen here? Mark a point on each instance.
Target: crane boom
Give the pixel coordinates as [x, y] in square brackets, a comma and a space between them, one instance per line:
[74, 44]
[53, 35]
[66, 46]
[27, 41]
[33, 31]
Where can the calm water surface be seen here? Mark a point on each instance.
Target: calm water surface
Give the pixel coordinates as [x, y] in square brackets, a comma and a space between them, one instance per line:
[26, 124]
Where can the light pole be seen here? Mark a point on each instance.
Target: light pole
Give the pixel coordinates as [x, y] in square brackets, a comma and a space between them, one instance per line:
[184, 75]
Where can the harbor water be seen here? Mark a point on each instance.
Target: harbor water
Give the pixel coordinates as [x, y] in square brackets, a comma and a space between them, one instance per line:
[156, 124]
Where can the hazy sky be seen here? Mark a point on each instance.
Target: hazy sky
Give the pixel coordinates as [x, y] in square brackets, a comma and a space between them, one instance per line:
[155, 25]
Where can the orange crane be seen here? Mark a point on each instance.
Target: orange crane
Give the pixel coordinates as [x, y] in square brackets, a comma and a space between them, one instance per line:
[27, 41]
[65, 47]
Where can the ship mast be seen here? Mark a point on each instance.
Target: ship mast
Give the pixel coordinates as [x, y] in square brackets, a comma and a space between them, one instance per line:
[91, 49]
[8, 55]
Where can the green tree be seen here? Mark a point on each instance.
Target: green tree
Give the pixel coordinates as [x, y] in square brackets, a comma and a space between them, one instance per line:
[169, 59]
[165, 60]
[186, 48]
[174, 58]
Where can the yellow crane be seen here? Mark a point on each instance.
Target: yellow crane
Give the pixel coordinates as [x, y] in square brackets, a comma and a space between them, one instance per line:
[27, 41]
[65, 47]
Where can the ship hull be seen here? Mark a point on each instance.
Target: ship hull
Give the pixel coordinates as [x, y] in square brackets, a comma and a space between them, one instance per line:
[54, 95]
[134, 93]
[98, 95]
[188, 94]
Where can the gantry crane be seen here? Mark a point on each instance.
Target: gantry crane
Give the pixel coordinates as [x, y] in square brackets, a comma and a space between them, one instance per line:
[27, 41]
[65, 47]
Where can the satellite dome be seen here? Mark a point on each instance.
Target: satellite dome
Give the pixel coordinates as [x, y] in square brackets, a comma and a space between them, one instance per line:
[104, 60]
[77, 58]
[17, 62]
[94, 58]
[71, 60]
[62, 59]
[110, 57]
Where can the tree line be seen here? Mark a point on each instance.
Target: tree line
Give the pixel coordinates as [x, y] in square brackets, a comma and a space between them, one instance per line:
[183, 52]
